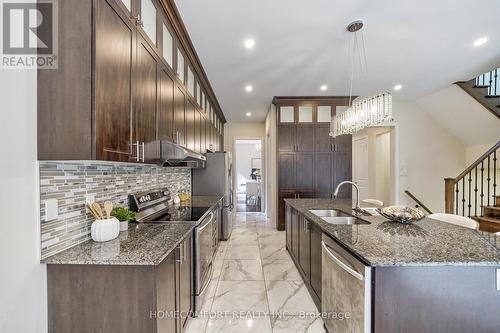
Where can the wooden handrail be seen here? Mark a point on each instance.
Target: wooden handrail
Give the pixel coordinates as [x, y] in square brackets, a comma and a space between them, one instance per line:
[477, 162]
[418, 202]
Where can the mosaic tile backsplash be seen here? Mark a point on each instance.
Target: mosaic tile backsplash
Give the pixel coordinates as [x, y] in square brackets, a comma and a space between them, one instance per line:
[71, 182]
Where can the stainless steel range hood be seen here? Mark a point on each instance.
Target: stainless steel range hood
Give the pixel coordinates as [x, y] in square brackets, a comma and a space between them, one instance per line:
[173, 155]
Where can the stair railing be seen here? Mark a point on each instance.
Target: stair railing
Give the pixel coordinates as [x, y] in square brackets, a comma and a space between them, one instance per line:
[474, 188]
[419, 203]
[489, 80]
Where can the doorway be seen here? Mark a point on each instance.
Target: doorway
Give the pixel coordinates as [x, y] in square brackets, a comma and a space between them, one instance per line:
[248, 175]
[374, 164]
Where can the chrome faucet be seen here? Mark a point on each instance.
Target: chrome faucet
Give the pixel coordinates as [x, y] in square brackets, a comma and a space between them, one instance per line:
[357, 210]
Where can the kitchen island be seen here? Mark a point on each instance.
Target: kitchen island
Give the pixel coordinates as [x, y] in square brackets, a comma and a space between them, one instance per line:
[428, 276]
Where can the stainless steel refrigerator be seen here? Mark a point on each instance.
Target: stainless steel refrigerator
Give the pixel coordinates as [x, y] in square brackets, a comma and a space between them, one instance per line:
[217, 179]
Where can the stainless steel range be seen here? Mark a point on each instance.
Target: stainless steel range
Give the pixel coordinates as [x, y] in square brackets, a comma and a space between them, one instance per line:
[157, 207]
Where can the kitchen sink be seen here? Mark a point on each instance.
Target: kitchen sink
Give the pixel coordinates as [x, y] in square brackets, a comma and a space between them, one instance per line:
[333, 216]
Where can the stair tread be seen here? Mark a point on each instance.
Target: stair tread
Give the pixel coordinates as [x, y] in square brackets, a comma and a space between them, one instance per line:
[492, 207]
[492, 96]
[480, 86]
[489, 219]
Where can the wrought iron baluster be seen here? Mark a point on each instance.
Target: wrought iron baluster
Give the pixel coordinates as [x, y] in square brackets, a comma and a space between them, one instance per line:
[482, 188]
[475, 191]
[469, 206]
[488, 181]
[457, 191]
[494, 175]
[463, 196]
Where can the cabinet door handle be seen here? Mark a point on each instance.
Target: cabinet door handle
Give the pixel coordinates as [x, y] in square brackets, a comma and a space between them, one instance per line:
[298, 195]
[185, 251]
[180, 254]
[143, 151]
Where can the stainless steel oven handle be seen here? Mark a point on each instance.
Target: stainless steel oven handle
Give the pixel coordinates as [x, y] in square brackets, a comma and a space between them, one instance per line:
[339, 262]
[208, 223]
[209, 280]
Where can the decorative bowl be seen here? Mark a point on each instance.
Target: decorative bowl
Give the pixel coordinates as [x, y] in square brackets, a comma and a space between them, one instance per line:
[401, 214]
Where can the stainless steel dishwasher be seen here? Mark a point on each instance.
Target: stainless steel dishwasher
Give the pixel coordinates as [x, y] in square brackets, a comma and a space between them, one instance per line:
[346, 290]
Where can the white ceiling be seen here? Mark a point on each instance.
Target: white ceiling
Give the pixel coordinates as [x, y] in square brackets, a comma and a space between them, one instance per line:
[424, 45]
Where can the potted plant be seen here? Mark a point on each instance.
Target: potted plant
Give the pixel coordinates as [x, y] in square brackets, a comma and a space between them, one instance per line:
[124, 215]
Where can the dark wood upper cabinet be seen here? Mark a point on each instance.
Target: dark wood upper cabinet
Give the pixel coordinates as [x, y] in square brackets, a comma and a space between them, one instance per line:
[190, 125]
[116, 94]
[304, 172]
[343, 143]
[146, 101]
[203, 142]
[197, 131]
[286, 138]
[166, 107]
[304, 138]
[342, 170]
[113, 83]
[286, 171]
[180, 117]
[323, 173]
[322, 139]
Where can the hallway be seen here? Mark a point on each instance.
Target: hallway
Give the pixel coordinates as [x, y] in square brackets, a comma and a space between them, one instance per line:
[255, 277]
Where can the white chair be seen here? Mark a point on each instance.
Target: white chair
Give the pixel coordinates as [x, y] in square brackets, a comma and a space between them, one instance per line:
[253, 192]
[456, 220]
[375, 202]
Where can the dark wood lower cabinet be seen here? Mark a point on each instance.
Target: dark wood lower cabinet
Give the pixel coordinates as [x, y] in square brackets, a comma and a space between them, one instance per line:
[121, 299]
[303, 241]
[315, 257]
[304, 257]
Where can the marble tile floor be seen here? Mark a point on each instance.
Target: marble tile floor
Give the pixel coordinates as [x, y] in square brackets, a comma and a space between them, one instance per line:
[255, 277]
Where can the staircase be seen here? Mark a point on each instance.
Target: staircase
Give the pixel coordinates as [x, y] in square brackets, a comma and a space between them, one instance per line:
[474, 193]
[491, 220]
[485, 89]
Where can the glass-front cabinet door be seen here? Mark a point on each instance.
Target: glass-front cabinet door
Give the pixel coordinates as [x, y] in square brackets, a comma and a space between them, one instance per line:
[324, 114]
[127, 4]
[148, 19]
[180, 66]
[190, 81]
[168, 46]
[287, 114]
[305, 114]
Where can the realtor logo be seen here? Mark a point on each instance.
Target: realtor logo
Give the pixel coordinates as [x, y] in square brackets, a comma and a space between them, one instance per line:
[29, 34]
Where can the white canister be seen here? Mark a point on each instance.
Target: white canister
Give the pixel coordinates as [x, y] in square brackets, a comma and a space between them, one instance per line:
[105, 230]
[123, 225]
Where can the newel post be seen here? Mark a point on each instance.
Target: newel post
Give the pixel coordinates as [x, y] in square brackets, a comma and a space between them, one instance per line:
[449, 195]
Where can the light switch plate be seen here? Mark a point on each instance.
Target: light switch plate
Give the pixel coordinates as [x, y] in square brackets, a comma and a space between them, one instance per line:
[51, 209]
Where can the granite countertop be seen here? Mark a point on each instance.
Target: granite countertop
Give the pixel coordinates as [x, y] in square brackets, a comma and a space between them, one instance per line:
[143, 244]
[424, 243]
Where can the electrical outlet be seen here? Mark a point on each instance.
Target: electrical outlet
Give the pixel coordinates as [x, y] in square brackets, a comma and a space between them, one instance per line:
[89, 199]
[51, 209]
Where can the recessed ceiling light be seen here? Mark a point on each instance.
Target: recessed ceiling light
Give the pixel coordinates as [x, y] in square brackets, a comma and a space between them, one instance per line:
[249, 43]
[480, 41]
[248, 88]
[249, 114]
[398, 87]
[323, 87]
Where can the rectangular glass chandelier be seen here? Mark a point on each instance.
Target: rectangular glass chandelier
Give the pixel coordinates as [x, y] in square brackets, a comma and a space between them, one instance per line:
[367, 112]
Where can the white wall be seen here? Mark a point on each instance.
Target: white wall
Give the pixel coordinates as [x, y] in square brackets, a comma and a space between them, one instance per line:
[472, 153]
[271, 164]
[23, 299]
[428, 153]
[461, 115]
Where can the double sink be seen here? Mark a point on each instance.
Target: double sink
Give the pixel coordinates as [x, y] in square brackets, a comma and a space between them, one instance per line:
[333, 216]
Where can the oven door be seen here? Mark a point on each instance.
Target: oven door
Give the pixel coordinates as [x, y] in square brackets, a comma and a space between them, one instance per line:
[204, 253]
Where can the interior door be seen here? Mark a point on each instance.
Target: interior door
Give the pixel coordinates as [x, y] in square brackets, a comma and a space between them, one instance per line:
[146, 100]
[113, 82]
[360, 166]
